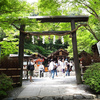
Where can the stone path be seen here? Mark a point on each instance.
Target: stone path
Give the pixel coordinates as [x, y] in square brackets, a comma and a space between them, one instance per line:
[60, 88]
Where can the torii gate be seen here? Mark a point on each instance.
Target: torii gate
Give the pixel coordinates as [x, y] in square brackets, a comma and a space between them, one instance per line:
[54, 19]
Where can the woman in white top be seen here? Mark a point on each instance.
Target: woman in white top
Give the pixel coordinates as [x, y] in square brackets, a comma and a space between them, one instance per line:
[63, 65]
[51, 68]
[41, 70]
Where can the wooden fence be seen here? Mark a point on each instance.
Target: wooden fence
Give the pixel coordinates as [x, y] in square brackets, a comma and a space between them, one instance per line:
[10, 67]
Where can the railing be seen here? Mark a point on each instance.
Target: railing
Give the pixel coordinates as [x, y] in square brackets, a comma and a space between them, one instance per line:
[13, 73]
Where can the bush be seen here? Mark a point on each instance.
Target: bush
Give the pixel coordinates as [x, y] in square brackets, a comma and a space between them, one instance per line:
[5, 85]
[92, 77]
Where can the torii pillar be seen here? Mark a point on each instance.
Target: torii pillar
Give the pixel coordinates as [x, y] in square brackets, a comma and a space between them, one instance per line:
[75, 54]
[21, 51]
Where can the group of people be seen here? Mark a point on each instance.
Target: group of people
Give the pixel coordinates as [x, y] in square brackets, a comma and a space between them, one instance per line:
[31, 67]
[53, 68]
[60, 65]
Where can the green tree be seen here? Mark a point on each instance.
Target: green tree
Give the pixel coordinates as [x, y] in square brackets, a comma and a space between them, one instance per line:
[44, 49]
[10, 13]
[88, 33]
[92, 8]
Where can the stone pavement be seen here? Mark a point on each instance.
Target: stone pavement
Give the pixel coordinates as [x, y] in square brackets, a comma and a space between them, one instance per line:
[60, 88]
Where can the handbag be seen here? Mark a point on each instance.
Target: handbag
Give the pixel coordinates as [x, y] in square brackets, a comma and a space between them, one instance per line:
[70, 69]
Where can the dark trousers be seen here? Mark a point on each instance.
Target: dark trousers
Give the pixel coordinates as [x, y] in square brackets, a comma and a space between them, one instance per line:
[41, 73]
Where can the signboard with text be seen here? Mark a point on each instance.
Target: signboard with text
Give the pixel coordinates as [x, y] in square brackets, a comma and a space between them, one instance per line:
[98, 46]
[0, 51]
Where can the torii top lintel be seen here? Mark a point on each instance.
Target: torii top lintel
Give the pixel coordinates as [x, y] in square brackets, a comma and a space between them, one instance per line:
[53, 19]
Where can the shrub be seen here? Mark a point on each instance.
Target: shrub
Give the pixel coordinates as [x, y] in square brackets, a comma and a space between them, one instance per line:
[5, 85]
[92, 77]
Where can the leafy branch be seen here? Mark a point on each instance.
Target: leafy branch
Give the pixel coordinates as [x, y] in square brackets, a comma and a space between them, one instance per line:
[89, 29]
[47, 33]
[95, 14]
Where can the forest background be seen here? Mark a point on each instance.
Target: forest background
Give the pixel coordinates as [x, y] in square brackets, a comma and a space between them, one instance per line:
[13, 13]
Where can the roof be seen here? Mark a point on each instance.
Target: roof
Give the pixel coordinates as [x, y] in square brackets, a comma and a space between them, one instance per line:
[42, 19]
[57, 52]
[84, 53]
[39, 55]
[16, 55]
[28, 56]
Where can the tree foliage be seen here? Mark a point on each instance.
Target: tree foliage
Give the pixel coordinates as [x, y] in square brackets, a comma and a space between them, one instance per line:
[89, 33]
[13, 14]
[10, 12]
[92, 8]
[92, 77]
[44, 49]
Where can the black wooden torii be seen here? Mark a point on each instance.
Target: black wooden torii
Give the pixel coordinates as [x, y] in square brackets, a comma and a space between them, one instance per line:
[54, 19]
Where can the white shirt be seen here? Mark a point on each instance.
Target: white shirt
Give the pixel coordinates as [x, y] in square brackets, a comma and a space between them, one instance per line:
[70, 64]
[59, 62]
[51, 65]
[63, 65]
[41, 67]
[32, 63]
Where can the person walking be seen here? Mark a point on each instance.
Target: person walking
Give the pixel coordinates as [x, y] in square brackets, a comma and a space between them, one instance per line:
[41, 70]
[63, 65]
[55, 68]
[24, 71]
[71, 65]
[68, 69]
[30, 67]
[51, 68]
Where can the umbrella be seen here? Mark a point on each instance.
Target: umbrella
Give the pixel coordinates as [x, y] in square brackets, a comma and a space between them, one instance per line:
[39, 60]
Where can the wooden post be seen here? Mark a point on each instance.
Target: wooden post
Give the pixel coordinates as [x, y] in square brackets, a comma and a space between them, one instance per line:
[27, 70]
[75, 54]
[21, 51]
[0, 52]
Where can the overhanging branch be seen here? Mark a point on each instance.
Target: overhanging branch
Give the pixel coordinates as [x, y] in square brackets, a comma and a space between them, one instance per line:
[90, 30]
[75, 29]
[59, 33]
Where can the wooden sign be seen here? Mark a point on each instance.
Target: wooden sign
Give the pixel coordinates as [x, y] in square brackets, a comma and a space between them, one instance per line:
[60, 53]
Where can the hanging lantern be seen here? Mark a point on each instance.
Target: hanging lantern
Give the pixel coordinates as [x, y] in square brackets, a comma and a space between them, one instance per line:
[70, 36]
[33, 39]
[49, 37]
[38, 38]
[27, 36]
[43, 41]
[59, 38]
[62, 39]
[54, 39]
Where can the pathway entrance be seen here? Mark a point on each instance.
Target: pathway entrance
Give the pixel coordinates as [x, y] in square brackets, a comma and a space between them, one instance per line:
[54, 19]
[60, 88]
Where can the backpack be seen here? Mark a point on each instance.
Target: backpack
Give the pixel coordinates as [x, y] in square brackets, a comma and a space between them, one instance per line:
[30, 67]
